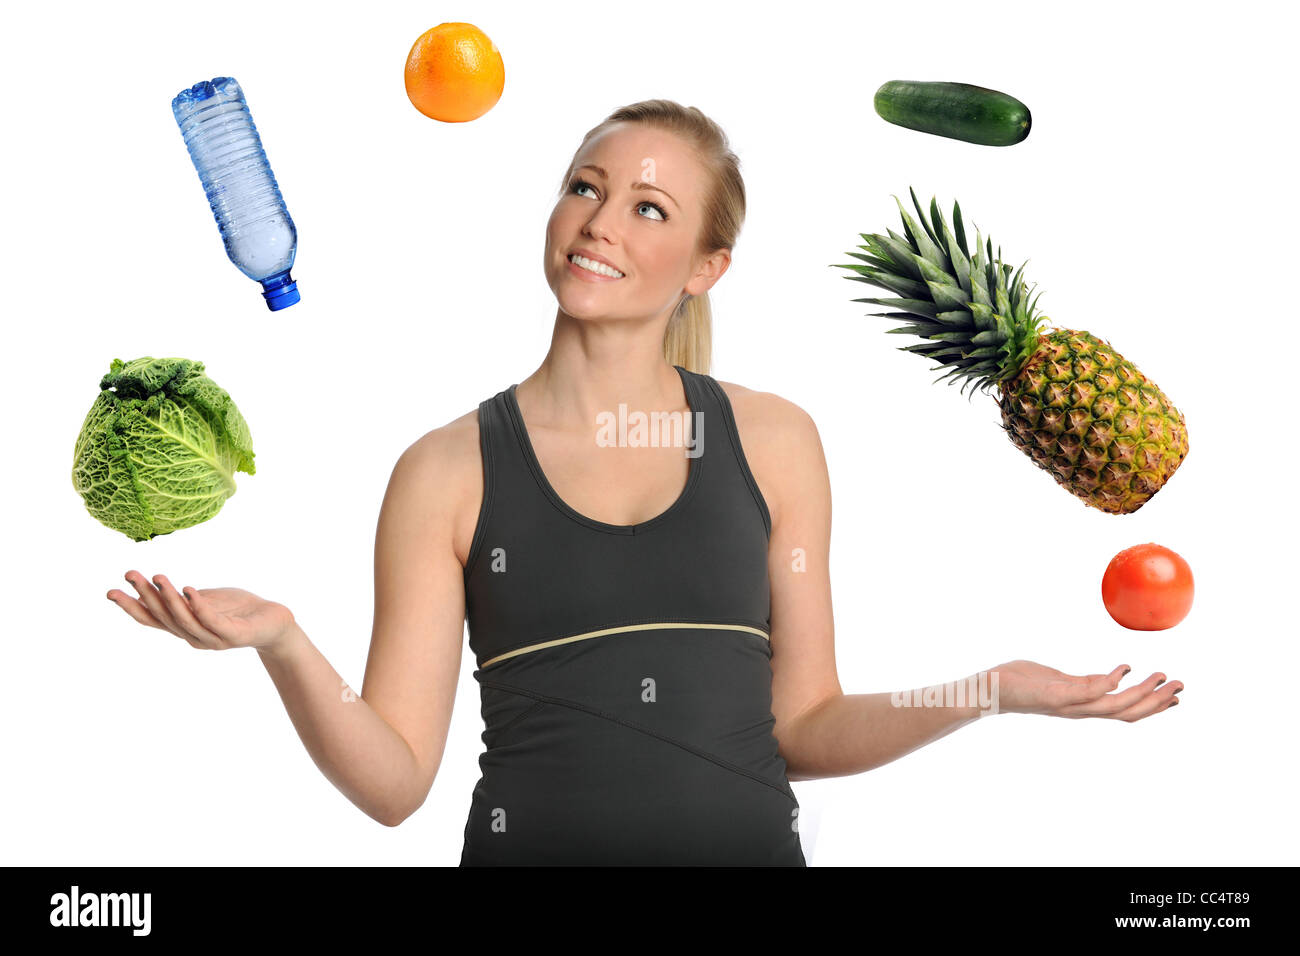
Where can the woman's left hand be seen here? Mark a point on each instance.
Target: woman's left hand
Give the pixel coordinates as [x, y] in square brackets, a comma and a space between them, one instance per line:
[1025, 687]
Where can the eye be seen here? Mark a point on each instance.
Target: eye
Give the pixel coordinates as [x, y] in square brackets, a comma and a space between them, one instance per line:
[577, 185]
[663, 216]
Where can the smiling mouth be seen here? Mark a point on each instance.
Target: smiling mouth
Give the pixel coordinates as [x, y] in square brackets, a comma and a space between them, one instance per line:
[597, 268]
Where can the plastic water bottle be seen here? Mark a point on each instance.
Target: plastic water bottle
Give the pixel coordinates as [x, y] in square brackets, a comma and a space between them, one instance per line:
[259, 235]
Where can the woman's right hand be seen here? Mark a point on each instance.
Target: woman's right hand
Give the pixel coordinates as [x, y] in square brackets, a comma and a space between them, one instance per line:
[210, 619]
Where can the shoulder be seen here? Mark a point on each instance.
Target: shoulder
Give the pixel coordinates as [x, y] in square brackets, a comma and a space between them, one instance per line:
[769, 417]
[438, 480]
[443, 450]
[781, 445]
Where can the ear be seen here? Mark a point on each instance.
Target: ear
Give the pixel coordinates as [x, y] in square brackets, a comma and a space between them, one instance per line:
[709, 272]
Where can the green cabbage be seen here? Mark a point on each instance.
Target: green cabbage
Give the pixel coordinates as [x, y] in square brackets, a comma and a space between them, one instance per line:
[160, 447]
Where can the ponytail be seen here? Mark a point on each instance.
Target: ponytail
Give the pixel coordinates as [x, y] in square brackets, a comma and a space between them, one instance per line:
[688, 339]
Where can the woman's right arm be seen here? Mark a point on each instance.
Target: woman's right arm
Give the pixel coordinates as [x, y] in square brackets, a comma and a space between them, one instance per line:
[381, 749]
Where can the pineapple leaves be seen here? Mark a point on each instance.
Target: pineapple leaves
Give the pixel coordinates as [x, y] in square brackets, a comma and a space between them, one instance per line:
[974, 313]
[898, 252]
[919, 307]
[950, 297]
[921, 241]
[984, 317]
[990, 337]
[934, 238]
[931, 273]
[925, 331]
[1032, 314]
[960, 261]
[1004, 303]
[1017, 284]
[876, 262]
[979, 278]
[886, 280]
[954, 336]
[932, 349]
[959, 229]
[870, 260]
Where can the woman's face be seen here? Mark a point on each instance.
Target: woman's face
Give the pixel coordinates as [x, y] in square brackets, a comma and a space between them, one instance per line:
[634, 201]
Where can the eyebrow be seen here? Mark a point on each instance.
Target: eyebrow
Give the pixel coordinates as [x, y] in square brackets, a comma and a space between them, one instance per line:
[636, 185]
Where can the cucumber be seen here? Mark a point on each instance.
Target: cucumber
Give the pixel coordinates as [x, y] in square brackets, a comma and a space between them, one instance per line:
[956, 110]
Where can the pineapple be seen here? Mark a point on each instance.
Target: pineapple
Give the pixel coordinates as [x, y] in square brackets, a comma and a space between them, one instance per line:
[1069, 401]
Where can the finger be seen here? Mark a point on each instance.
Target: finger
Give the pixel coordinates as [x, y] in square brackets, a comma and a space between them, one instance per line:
[142, 614]
[1108, 705]
[134, 608]
[205, 614]
[150, 599]
[1152, 704]
[182, 614]
[152, 602]
[1090, 688]
[1083, 678]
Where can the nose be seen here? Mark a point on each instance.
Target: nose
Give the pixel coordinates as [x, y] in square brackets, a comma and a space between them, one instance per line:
[595, 226]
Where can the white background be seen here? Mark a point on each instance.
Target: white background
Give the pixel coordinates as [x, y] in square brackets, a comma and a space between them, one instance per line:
[1155, 195]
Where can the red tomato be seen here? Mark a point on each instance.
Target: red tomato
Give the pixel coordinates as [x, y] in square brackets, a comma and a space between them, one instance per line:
[1147, 588]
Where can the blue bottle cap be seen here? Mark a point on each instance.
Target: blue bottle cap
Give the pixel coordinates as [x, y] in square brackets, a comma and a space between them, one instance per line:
[280, 292]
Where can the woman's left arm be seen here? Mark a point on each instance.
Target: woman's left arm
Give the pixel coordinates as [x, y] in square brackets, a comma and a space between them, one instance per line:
[823, 732]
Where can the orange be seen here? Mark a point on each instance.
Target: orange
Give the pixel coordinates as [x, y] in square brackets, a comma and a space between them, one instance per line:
[454, 73]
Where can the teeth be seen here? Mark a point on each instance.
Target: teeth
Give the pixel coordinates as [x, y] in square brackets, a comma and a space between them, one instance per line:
[598, 267]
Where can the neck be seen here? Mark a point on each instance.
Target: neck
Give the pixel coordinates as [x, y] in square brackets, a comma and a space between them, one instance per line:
[592, 367]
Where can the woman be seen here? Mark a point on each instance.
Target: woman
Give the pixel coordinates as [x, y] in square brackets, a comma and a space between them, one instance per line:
[651, 621]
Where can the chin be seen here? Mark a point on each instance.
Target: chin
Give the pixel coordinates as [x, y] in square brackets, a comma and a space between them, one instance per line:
[582, 314]
[581, 303]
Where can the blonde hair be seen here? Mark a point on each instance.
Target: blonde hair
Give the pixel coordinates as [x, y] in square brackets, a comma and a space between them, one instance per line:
[688, 339]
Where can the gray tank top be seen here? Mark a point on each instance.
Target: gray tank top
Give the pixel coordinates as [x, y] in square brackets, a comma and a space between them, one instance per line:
[624, 670]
